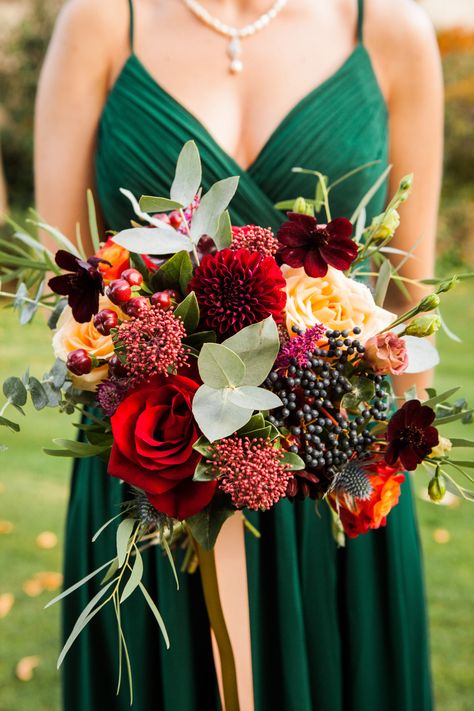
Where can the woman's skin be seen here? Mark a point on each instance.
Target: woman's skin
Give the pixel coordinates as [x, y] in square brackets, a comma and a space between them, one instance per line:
[301, 48]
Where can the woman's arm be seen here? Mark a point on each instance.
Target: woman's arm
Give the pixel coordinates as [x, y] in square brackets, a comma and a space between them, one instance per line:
[405, 48]
[73, 87]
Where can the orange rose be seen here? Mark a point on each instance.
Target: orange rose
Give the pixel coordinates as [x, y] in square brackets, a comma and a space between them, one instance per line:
[359, 516]
[71, 335]
[334, 300]
[117, 256]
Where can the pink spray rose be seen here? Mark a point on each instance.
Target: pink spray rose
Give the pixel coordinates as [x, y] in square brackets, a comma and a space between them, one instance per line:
[386, 353]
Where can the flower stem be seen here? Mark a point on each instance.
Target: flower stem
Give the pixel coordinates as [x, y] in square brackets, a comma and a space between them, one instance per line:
[186, 224]
[207, 567]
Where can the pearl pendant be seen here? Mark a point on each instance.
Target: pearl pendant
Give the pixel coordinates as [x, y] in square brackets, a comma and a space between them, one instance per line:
[234, 51]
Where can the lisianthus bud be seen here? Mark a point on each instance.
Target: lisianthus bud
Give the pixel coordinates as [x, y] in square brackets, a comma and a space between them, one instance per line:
[423, 326]
[442, 448]
[437, 487]
[405, 187]
[384, 225]
[429, 303]
[386, 353]
[448, 285]
[301, 206]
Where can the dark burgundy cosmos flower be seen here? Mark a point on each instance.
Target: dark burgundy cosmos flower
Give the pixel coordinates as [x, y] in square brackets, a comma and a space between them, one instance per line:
[82, 285]
[304, 243]
[410, 435]
[236, 289]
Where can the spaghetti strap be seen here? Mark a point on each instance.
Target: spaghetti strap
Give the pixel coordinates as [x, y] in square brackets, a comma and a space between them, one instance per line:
[360, 20]
[131, 25]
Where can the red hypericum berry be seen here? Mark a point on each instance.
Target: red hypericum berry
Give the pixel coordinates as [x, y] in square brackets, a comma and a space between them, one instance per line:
[133, 277]
[79, 362]
[206, 245]
[161, 216]
[172, 294]
[105, 321]
[119, 291]
[175, 219]
[136, 306]
[161, 299]
[116, 369]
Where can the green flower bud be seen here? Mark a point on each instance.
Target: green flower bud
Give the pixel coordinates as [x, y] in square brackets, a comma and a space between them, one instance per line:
[383, 226]
[447, 285]
[429, 303]
[423, 326]
[437, 488]
[405, 187]
[301, 206]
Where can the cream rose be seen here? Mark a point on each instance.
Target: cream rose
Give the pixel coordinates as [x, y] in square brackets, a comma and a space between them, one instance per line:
[70, 335]
[334, 300]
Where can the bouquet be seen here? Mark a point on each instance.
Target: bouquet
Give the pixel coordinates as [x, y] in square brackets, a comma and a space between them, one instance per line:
[220, 368]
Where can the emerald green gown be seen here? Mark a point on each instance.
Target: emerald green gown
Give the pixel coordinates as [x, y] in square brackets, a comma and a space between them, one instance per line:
[332, 629]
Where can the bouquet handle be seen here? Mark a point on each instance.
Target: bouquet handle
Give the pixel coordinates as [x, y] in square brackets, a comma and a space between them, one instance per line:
[208, 571]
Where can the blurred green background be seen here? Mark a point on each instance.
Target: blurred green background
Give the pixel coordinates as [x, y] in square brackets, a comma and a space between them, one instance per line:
[34, 487]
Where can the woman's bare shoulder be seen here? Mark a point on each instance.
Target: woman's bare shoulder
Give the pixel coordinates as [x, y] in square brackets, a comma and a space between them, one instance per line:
[402, 41]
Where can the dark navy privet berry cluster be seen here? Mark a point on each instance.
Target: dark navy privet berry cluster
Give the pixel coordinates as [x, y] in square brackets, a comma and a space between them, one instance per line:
[325, 428]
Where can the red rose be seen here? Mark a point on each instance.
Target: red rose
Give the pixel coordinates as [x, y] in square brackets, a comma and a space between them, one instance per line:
[154, 432]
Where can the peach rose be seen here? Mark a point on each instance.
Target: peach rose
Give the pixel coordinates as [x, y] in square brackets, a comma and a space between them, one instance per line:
[334, 300]
[70, 335]
[386, 353]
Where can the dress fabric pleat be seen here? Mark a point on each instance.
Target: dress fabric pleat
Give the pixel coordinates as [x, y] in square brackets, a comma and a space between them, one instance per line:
[332, 629]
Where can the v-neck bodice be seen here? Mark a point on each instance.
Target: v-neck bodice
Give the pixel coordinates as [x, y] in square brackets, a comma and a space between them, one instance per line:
[339, 125]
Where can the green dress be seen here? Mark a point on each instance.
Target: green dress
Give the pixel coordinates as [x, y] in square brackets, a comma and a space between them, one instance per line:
[332, 629]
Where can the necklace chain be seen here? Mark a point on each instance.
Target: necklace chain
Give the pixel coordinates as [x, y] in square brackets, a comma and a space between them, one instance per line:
[235, 34]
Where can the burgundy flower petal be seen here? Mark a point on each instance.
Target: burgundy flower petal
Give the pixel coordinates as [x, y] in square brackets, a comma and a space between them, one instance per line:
[409, 459]
[340, 228]
[339, 255]
[293, 256]
[424, 417]
[66, 260]
[314, 264]
[63, 284]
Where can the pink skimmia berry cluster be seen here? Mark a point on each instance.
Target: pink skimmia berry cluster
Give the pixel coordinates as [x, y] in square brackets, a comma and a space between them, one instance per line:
[255, 239]
[152, 343]
[251, 472]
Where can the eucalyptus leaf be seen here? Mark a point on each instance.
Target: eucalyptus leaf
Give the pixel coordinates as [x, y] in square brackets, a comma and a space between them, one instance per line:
[15, 391]
[383, 280]
[459, 442]
[188, 310]
[223, 236]
[58, 309]
[59, 237]
[254, 397]
[213, 204]
[169, 555]
[258, 346]
[187, 179]
[363, 390]
[156, 613]
[38, 394]
[77, 585]
[94, 232]
[82, 621]
[451, 418]
[124, 531]
[134, 579]
[72, 448]
[58, 373]
[442, 397]
[149, 203]
[220, 367]
[370, 194]
[104, 526]
[202, 445]
[152, 240]
[175, 273]
[13, 426]
[206, 525]
[215, 415]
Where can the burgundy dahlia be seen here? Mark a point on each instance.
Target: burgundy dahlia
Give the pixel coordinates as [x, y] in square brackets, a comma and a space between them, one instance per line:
[236, 289]
[255, 239]
[82, 285]
[304, 243]
[410, 435]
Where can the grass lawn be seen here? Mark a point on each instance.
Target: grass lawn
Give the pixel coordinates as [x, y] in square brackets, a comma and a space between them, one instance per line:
[33, 496]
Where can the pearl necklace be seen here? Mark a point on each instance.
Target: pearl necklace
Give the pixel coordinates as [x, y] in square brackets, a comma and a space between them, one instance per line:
[234, 34]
